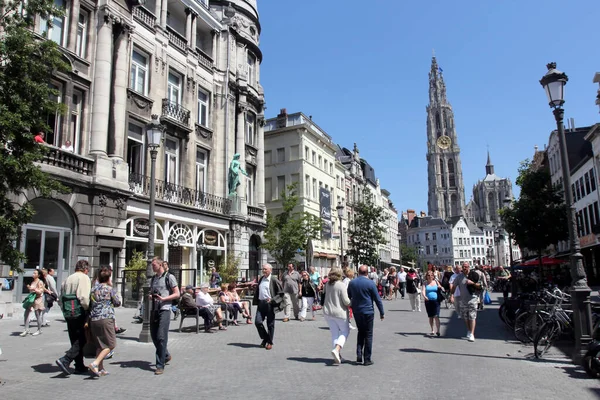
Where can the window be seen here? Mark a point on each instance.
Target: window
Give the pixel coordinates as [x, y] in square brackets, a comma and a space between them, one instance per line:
[592, 179]
[250, 185]
[202, 108]
[433, 235]
[314, 158]
[426, 236]
[306, 153]
[435, 249]
[138, 80]
[295, 178]
[281, 155]
[268, 157]
[315, 189]
[135, 149]
[577, 191]
[174, 88]
[57, 29]
[81, 40]
[280, 185]
[171, 161]
[427, 250]
[250, 129]
[54, 121]
[201, 160]
[251, 69]
[307, 186]
[294, 152]
[76, 113]
[268, 189]
[320, 162]
[587, 184]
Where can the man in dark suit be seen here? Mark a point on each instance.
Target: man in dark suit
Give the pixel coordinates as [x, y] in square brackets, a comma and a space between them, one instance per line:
[268, 296]
[363, 292]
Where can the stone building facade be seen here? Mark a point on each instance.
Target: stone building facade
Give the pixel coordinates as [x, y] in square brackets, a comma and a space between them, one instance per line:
[195, 64]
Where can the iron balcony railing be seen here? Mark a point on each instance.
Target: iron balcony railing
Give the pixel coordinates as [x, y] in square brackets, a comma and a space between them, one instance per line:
[68, 160]
[176, 112]
[140, 184]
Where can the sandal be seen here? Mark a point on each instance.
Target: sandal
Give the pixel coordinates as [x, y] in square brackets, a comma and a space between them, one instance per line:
[104, 372]
[235, 323]
[249, 320]
[222, 328]
[94, 369]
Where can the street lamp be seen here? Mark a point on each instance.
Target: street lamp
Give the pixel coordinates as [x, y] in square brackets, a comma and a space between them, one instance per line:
[154, 132]
[340, 212]
[508, 204]
[554, 84]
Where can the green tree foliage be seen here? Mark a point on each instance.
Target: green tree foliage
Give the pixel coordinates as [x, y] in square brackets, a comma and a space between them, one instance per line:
[229, 270]
[539, 217]
[366, 230]
[408, 255]
[288, 232]
[136, 264]
[27, 64]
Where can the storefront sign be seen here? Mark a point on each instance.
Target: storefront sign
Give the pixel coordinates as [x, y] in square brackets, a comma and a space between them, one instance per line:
[181, 240]
[141, 227]
[210, 238]
[211, 263]
[325, 202]
[588, 240]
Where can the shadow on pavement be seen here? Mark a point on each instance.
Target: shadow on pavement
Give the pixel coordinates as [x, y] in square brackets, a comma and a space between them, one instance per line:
[326, 361]
[508, 357]
[245, 345]
[46, 368]
[398, 310]
[595, 391]
[578, 372]
[143, 365]
[132, 338]
[407, 334]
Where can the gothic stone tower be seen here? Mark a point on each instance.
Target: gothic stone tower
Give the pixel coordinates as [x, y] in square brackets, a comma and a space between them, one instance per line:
[446, 197]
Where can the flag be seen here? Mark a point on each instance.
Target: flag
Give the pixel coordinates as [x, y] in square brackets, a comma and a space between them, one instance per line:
[440, 69]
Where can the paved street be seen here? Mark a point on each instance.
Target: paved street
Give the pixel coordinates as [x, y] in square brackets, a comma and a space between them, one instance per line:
[407, 364]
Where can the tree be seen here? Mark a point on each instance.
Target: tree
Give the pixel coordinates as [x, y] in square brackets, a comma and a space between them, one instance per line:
[27, 63]
[288, 232]
[366, 230]
[229, 270]
[408, 255]
[539, 217]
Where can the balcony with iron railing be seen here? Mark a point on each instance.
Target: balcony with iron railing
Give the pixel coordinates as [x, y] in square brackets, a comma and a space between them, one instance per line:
[68, 160]
[176, 112]
[177, 194]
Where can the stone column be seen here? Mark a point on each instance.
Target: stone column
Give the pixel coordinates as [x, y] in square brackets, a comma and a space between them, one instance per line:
[116, 140]
[260, 163]
[102, 79]
[157, 12]
[66, 121]
[240, 143]
[188, 26]
[163, 14]
[215, 39]
[194, 31]
[73, 21]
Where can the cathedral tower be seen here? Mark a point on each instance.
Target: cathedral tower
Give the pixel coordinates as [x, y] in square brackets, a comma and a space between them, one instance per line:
[446, 197]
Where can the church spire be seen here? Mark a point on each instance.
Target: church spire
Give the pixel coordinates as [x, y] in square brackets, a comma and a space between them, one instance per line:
[489, 167]
[437, 87]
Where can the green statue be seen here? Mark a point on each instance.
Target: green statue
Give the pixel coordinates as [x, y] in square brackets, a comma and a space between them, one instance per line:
[234, 173]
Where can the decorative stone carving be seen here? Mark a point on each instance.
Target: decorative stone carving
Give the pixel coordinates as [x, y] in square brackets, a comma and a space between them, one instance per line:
[203, 132]
[191, 84]
[120, 204]
[251, 153]
[102, 202]
[261, 121]
[139, 104]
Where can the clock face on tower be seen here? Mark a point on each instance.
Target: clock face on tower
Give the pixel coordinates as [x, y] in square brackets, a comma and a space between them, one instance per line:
[444, 142]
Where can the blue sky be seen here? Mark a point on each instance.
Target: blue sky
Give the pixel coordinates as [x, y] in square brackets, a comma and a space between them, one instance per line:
[360, 68]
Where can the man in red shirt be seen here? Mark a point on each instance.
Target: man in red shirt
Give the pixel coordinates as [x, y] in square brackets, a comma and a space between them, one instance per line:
[39, 138]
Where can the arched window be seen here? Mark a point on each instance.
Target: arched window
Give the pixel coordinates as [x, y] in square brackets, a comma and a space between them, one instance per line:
[492, 209]
[451, 177]
[454, 205]
[442, 173]
[437, 121]
[445, 119]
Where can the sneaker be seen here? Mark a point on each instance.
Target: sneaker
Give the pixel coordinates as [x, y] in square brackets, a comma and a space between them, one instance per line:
[110, 355]
[336, 356]
[471, 338]
[25, 333]
[159, 371]
[168, 358]
[352, 326]
[38, 332]
[63, 365]
[120, 330]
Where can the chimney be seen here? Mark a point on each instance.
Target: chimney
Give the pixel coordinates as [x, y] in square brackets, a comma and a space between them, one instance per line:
[282, 118]
[410, 215]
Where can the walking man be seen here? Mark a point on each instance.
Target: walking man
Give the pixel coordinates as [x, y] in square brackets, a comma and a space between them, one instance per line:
[469, 284]
[163, 289]
[268, 297]
[455, 290]
[402, 281]
[77, 284]
[362, 293]
[291, 280]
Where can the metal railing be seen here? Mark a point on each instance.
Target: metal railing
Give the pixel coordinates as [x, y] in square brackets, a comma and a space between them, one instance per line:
[173, 193]
[176, 39]
[68, 160]
[175, 111]
[144, 16]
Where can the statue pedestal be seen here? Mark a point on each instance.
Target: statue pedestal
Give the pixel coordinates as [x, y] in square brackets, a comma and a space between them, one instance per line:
[236, 204]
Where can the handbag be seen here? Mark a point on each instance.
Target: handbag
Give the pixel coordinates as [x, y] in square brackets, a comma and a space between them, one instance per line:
[29, 300]
[441, 294]
[487, 300]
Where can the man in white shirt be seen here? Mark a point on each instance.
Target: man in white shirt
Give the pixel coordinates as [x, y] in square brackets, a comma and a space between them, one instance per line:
[402, 281]
[268, 297]
[455, 291]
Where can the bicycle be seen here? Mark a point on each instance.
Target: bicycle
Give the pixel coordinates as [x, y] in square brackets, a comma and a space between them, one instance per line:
[557, 323]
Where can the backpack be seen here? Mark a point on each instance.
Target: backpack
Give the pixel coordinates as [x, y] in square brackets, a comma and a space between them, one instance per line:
[71, 306]
[167, 276]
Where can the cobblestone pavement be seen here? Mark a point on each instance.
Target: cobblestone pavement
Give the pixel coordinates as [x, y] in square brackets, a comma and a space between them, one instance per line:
[408, 364]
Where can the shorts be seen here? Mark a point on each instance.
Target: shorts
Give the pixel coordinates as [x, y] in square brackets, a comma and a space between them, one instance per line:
[468, 310]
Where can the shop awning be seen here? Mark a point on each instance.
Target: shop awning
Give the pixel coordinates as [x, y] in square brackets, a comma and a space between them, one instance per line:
[545, 261]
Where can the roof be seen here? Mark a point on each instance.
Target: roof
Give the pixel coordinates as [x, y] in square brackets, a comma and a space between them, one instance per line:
[578, 149]
[472, 226]
[492, 177]
[426, 222]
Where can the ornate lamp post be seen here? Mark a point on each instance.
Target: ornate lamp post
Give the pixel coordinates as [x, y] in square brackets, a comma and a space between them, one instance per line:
[154, 132]
[508, 204]
[554, 84]
[340, 212]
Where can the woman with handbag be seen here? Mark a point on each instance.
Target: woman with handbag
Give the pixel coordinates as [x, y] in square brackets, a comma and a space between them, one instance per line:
[307, 292]
[37, 287]
[335, 310]
[432, 304]
[50, 294]
[413, 284]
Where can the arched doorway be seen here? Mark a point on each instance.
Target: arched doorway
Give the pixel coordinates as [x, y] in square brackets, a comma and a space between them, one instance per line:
[46, 242]
[254, 257]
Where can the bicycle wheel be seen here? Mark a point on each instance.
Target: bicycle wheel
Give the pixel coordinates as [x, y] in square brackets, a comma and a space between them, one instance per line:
[548, 332]
[501, 311]
[533, 324]
[591, 363]
[520, 327]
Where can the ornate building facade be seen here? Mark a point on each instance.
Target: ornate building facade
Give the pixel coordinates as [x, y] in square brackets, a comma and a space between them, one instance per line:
[444, 169]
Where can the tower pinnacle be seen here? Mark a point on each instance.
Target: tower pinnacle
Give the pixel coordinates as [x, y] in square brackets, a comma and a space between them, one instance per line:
[489, 167]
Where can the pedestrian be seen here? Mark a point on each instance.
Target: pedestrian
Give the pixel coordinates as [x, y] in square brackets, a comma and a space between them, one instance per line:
[36, 286]
[432, 304]
[393, 282]
[308, 296]
[215, 278]
[291, 280]
[335, 311]
[51, 294]
[103, 300]
[469, 285]
[315, 278]
[413, 288]
[268, 297]
[77, 285]
[362, 293]
[349, 275]
[455, 290]
[163, 290]
[504, 278]
[402, 282]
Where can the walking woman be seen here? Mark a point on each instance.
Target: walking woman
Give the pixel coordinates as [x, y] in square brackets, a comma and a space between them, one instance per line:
[432, 304]
[413, 286]
[37, 287]
[335, 310]
[50, 294]
[103, 300]
[308, 295]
